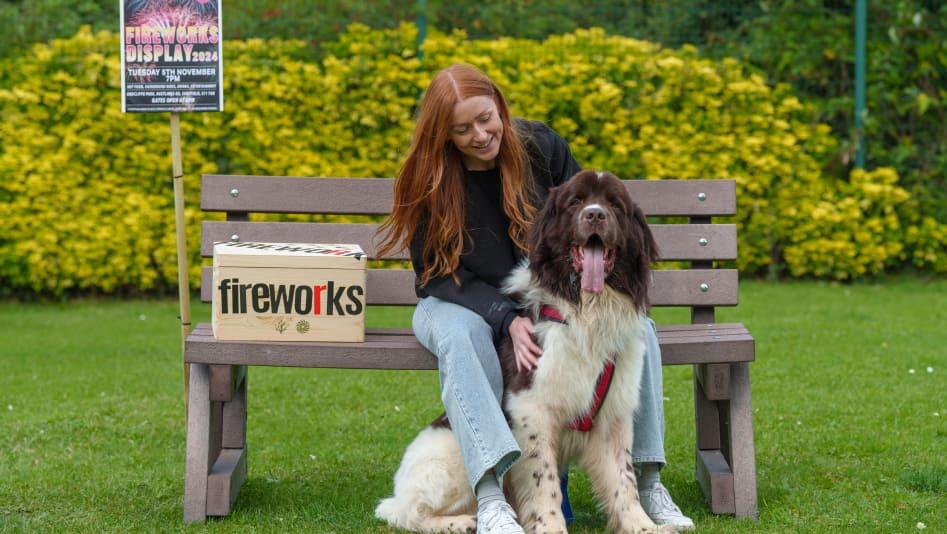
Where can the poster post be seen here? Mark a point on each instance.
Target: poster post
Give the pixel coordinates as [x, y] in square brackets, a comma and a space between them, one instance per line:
[184, 291]
[172, 61]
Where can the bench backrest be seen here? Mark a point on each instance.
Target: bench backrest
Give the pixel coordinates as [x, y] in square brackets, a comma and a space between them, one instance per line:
[698, 241]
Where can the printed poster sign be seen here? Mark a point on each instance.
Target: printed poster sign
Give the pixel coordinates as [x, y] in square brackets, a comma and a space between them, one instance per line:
[171, 55]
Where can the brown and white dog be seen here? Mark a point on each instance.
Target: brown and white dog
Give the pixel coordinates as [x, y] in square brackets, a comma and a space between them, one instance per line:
[585, 287]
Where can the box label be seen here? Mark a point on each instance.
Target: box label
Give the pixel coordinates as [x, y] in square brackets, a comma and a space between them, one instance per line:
[329, 298]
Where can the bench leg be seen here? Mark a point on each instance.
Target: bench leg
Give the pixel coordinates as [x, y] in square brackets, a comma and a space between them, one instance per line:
[742, 449]
[230, 468]
[712, 469]
[726, 457]
[216, 464]
[197, 464]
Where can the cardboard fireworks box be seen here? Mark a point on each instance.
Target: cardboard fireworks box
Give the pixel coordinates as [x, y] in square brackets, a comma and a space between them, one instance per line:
[288, 292]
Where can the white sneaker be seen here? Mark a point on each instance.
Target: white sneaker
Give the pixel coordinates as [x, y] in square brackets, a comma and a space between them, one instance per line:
[657, 503]
[497, 517]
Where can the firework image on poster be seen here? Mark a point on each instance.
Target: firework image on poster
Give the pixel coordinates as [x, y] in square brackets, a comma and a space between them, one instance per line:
[171, 55]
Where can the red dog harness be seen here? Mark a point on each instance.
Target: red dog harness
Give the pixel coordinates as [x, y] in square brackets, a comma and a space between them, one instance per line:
[584, 424]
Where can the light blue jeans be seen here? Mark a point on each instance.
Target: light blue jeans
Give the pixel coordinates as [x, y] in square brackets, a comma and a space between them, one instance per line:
[472, 389]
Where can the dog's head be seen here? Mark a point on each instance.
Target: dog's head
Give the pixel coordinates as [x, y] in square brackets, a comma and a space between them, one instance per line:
[590, 234]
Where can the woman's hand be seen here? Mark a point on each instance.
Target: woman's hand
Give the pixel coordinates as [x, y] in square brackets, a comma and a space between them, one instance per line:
[526, 350]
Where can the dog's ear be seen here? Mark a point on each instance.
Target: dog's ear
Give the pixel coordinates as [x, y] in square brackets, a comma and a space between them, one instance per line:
[543, 225]
[648, 246]
[548, 241]
[641, 253]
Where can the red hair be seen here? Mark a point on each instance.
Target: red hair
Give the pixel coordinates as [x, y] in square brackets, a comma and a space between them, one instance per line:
[431, 181]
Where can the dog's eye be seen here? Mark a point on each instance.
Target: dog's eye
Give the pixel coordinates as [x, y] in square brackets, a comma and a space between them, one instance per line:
[575, 201]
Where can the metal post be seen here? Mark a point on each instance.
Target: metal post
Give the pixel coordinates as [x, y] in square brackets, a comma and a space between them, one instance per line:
[861, 23]
[422, 27]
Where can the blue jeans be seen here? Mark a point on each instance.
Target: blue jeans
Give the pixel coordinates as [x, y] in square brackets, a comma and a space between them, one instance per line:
[472, 389]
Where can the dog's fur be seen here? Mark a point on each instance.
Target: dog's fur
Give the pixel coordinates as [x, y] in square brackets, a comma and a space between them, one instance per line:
[592, 209]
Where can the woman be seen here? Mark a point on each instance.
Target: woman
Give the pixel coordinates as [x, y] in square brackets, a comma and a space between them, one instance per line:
[466, 194]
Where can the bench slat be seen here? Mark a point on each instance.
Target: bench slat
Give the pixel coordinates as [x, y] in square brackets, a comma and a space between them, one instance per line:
[688, 198]
[675, 241]
[373, 196]
[204, 329]
[668, 331]
[670, 288]
[717, 349]
[281, 194]
[362, 235]
[368, 355]
[696, 332]
[682, 242]
[391, 351]
[701, 326]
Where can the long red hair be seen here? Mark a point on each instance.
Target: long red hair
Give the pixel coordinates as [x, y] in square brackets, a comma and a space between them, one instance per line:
[431, 181]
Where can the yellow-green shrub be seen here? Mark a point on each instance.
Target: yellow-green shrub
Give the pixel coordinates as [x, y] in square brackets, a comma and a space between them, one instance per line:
[86, 200]
[85, 196]
[852, 230]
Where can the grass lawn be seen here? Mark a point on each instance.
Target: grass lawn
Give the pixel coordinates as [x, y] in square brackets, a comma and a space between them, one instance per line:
[849, 396]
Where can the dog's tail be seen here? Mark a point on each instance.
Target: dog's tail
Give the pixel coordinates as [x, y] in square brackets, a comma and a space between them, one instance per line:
[390, 511]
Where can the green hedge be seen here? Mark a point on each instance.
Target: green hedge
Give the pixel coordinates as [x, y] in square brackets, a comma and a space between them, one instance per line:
[87, 200]
[807, 43]
[812, 47]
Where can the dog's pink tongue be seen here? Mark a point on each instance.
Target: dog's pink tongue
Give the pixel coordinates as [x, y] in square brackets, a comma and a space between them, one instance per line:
[593, 269]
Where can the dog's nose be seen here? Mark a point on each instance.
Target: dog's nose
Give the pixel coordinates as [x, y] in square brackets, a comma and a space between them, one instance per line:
[593, 214]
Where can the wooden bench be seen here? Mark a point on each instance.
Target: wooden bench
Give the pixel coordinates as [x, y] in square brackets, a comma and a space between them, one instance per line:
[719, 353]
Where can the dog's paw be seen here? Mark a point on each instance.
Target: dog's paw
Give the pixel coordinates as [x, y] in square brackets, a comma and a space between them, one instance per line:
[464, 525]
[550, 522]
[651, 529]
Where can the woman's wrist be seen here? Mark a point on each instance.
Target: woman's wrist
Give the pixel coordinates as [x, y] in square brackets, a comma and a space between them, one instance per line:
[507, 322]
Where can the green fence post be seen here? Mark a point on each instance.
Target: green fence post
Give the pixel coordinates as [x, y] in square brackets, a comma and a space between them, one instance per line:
[861, 23]
[422, 27]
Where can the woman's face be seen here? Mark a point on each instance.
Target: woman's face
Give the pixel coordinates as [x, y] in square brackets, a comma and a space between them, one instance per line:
[476, 129]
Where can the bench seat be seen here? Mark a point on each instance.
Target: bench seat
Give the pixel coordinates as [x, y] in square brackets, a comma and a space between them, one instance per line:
[395, 348]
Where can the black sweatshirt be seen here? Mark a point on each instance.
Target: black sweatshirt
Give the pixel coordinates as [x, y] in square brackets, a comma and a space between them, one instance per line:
[489, 254]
